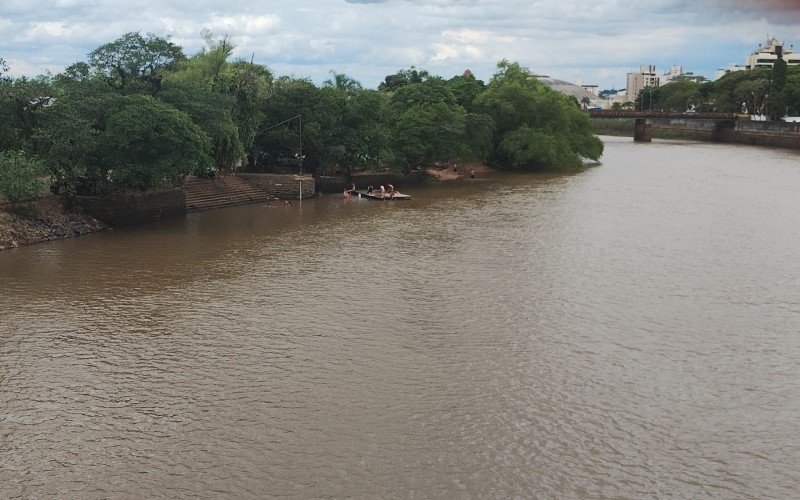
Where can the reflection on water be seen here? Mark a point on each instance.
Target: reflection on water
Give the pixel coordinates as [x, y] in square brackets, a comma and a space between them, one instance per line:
[627, 331]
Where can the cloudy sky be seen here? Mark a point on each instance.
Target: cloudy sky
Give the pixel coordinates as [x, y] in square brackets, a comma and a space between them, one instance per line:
[596, 41]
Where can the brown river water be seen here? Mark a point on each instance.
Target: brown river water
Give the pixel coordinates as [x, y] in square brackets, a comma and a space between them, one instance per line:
[632, 330]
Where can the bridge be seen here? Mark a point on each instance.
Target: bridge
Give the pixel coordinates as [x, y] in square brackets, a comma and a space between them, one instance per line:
[650, 113]
[719, 127]
[711, 124]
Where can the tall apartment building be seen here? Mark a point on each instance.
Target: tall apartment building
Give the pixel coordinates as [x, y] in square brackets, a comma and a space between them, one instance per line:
[645, 77]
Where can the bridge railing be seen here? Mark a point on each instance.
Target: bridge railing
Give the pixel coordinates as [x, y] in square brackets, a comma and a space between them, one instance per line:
[627, 113]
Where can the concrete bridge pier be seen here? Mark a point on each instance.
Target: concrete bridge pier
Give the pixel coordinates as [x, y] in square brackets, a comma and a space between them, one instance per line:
[642, 130]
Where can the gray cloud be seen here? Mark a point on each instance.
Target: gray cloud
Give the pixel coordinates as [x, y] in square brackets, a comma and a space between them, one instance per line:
[592, 41]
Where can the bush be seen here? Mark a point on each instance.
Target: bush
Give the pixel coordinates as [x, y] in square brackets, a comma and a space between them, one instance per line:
[21, 177]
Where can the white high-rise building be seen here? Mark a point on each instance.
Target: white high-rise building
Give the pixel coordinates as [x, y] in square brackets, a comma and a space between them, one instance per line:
[637, 81]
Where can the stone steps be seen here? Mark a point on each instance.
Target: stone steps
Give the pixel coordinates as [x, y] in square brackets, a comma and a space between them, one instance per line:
[223, 191]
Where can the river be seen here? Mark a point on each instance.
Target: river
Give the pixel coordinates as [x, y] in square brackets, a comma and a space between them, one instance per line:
[632, 330]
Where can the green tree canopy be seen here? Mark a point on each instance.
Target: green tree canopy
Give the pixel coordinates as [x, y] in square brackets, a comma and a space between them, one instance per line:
[402, 78]
[135, 61]
[206, 69]
[21, 102]
[148, 143]
[366, 132]
[535, 126]
[792, 90]
[213, 113]
[21, 176]
[343, 83]
[736, 91]
[428, 123]
[466, 88]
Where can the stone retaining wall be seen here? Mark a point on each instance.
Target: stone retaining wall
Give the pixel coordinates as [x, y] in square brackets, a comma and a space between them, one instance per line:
[135, 207]
[778, 134]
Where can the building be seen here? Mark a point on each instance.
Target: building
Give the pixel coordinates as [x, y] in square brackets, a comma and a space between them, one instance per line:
[585, 97]
[637, 81]
[671, 74]
[612, 97]
[732, 68]
[676, 73]
[765, 56]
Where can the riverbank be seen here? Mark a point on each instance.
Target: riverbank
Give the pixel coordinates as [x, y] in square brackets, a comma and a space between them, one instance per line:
[47, 220]
[460, 171]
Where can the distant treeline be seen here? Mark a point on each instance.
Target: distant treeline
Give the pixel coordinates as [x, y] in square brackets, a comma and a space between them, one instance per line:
[139, 113]
[772, 92]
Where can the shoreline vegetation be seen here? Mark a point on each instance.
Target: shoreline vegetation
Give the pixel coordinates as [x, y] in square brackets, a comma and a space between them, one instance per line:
[48, 219]
[140, 115]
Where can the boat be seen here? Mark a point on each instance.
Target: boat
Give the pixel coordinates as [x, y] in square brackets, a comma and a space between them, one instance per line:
[376, 195]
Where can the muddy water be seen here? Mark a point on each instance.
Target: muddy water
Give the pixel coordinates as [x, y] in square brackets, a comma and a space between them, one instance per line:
[631, 330]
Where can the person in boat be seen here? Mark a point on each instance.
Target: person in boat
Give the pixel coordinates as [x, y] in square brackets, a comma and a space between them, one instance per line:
[383, 191]
[369, 189]
[346, 193]
[391, 192]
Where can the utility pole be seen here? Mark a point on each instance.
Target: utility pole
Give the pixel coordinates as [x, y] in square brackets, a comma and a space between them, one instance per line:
[300, 117]
[284, 122]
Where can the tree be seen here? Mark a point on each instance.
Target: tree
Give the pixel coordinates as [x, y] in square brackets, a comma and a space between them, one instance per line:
[21, 176]
[206, 69]
[776, 105]
[79, 71]
[66, 140]
[321, 112]
[8, 134]
[792, 91]
[21, 102]
[466, 88]
[679, 95]
[148, 143]
[403, 78]
[225, 98]
[535, 126]
[68, 132]
[478, 133]
[134, 62]
[735, 91]
[366, 132]
[428, 124]
[213, 113]
[251, 86]
[344, 83]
